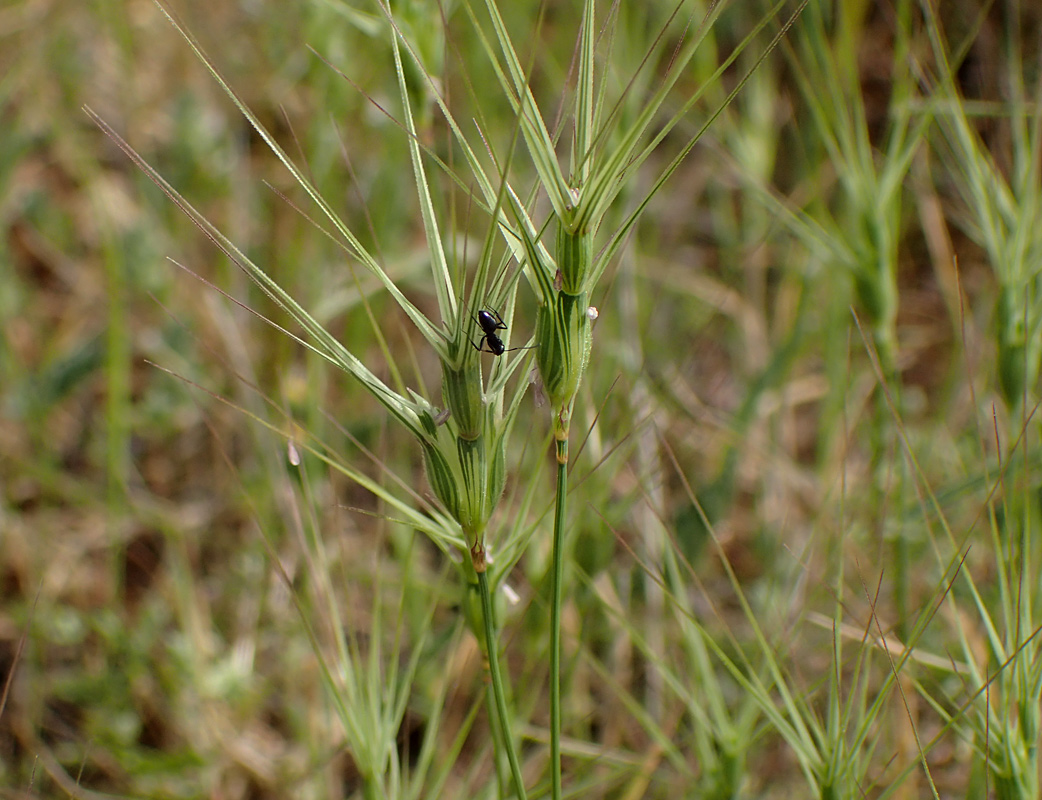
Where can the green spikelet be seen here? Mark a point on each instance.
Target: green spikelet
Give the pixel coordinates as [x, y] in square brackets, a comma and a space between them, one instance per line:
[497, 475]
[461, 389]
[574, 257]
[562, 346]
[442, 478]
[473, 461]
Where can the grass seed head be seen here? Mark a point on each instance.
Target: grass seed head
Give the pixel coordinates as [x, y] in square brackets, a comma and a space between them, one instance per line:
[574, 257]
[563, 342]
[461, 389]
[442, 477]
[476, 500]
[467, 476]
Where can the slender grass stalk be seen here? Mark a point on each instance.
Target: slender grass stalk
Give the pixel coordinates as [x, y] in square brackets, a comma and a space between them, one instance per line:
[556, 600]
[496, 674]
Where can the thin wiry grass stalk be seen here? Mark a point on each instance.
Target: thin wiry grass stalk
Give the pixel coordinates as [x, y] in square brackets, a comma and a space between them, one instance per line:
[496, 674]
[556, 600]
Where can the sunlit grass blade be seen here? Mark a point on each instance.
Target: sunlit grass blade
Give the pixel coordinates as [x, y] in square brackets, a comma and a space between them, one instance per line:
[515, 85]
[443, 287]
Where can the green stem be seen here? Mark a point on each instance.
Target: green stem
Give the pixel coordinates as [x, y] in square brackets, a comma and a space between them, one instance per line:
[499, 747]
[498, 693]
[555, 620]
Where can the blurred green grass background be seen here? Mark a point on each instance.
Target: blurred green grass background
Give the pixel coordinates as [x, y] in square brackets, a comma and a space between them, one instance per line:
[153, 536]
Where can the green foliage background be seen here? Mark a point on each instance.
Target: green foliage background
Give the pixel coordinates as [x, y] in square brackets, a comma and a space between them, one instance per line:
[803, 556]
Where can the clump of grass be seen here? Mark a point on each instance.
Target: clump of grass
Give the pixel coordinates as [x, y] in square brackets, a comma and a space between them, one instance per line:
[852, 222]
[1001, 209]
[711, 687]
[464, 449]
[464, 445]
[605, 156]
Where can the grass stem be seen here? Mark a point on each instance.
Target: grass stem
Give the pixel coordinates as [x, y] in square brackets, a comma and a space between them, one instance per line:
[498, 691]
[555, 620]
